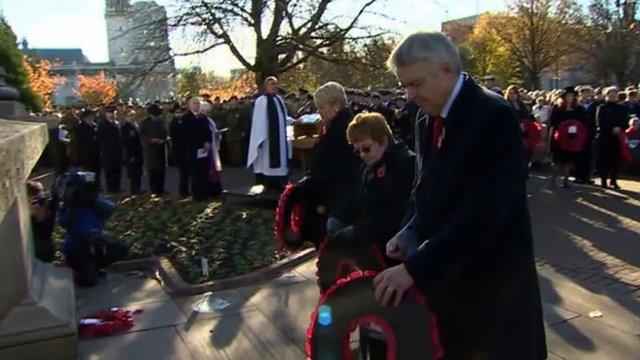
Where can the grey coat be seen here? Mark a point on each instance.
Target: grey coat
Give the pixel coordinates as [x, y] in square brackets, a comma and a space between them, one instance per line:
[154, 154]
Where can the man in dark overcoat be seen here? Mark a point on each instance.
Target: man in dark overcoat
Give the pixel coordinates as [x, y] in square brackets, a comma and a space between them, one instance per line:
[475, 260]
[154, 136]
[86, 146]
[132, 151]
[110, 144]
[197, 141]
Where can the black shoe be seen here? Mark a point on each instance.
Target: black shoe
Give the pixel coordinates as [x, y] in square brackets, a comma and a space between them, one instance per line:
[578, 181]
[614, 185]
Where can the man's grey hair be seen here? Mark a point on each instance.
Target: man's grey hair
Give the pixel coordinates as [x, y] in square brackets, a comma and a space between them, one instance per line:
[427, 46]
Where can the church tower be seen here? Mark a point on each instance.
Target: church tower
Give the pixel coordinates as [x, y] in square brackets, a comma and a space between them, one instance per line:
[117, 14]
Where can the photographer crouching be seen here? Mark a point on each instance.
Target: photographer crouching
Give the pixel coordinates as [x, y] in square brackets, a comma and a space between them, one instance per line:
[83, 214]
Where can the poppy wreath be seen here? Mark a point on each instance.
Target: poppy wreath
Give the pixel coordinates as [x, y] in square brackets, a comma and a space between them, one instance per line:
[410, 329]
[296, 220]
[532, 134]
[570, 136]
[625, 149]
[107, 323]
[336, 260]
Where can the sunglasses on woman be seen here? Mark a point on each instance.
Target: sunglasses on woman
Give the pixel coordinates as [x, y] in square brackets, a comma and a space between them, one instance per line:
[364, 150]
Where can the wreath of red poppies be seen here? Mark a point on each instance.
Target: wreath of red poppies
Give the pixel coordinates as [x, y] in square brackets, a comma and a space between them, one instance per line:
[570, 136]
[532, 134]
[290, 216]
[410, 330]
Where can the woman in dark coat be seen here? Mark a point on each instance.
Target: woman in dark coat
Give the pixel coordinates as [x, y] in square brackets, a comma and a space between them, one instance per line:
[386, 182]
[512, 95]
[567, 108]
[611, 118]
[333, 179]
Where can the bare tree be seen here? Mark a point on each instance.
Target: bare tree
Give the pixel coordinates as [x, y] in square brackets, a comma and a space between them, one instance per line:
[286, 32]
[539, 34]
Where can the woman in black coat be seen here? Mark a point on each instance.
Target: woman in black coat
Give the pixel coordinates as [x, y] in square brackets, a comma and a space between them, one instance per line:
[566, 109]
[332, 182]
[512, 95]
[611, 119]
[386, 182]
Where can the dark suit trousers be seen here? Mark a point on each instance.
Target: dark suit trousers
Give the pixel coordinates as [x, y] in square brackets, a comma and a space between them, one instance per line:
[113, 179]
[134, 172]
[156, 181]
[583, 162]
[184, 180]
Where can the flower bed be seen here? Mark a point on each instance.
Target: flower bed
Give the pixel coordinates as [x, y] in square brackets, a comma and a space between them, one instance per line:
[235, 240]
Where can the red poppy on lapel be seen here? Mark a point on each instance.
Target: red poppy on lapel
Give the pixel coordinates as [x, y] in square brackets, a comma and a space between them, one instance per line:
[325, 127]
[381, 171]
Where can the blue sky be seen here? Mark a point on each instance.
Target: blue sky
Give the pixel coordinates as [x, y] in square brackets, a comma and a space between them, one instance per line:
[81, 24]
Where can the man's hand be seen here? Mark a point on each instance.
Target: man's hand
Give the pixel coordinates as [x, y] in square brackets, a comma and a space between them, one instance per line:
[616, 130]
[207, 146]
[393, 250]
[392, 283]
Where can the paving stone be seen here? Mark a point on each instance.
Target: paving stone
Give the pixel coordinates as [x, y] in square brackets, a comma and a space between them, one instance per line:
[308, 269]
[246, 336]
[289, 308]
[163, 343]
[556, 314]
[585, 339]
[117, 290]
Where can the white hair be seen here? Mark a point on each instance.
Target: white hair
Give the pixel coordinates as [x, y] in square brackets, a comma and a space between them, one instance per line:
[205, 107]
[428, 46]
[330, 93]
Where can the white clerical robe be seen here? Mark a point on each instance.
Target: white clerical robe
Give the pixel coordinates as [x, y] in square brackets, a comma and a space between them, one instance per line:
[258, 153]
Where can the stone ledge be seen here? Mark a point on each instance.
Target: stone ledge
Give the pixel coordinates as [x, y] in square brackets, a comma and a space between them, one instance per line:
[175, 285]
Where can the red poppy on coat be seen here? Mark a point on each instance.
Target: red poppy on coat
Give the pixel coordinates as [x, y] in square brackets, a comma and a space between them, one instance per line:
[381, 171]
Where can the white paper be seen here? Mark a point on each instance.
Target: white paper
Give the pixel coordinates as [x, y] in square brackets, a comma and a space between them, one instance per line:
[205, 266]
[309, 118]
[202, 153]
[90, 321]
[573, 129]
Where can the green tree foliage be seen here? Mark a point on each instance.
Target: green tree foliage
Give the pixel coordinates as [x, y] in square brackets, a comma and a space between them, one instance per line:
[192, 80]
[12, 60]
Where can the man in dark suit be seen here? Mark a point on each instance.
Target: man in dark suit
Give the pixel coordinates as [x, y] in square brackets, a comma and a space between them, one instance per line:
[178, 151]
[86, 144]
[132, 151]
[475, 263]
[197, 137]
[110, 144]
[154, 136]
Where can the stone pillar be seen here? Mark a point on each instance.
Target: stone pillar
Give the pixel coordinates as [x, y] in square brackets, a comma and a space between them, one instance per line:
[37, 301]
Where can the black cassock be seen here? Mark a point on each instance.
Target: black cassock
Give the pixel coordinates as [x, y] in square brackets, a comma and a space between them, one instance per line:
[477, 268]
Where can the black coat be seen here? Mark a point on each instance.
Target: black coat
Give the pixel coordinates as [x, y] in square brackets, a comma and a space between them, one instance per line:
[86, 145]
[608, 116]
[384, 195]
[110, 144]
[477, 268]
[178, 143]
[131, 143]
[196, 134]
[335, 171]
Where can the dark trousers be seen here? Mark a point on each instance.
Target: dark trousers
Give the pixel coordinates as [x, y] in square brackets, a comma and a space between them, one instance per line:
[156, 181]
[113, 179]
[184, 180]
[134, 172]
[583, 163]
[200, 189]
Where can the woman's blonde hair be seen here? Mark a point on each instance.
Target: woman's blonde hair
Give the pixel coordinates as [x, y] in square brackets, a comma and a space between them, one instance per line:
[330, 93]
[512, 87]
[369, 125]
